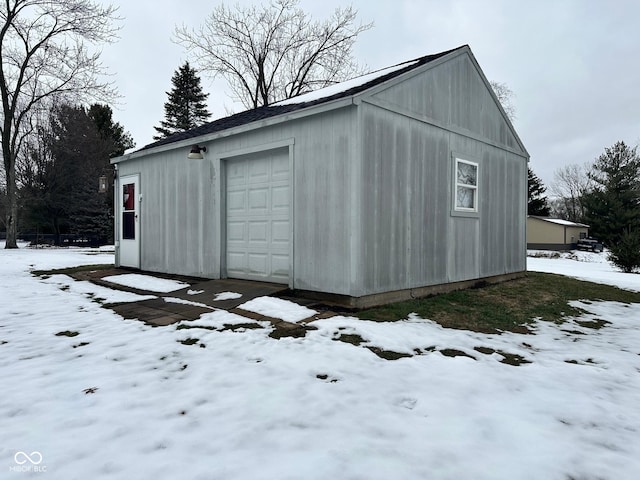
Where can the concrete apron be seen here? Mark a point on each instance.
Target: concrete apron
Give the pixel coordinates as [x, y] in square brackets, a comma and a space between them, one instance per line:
[159, 312]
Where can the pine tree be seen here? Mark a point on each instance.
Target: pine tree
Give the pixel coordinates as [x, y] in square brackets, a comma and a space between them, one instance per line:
[60, 176]
[613, 205]
[186, 107]
[102, 116]
[79, 156]
[537, 202]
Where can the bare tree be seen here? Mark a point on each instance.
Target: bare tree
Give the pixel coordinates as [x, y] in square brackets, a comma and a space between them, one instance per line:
[44, 50]
[505, 96]
[275, 51]
[569, 186]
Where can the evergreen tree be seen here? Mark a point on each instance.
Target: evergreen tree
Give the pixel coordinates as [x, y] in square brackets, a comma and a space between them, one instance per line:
[613, 205]
[80, 156]
[537, 203]
[186, 107]
[60, 178]
[626, 253]
[102, 116]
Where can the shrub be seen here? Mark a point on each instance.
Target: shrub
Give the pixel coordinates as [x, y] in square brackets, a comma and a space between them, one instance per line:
[625, 254]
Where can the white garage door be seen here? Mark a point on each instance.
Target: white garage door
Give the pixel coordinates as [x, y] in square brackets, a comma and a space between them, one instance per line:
[258, 217]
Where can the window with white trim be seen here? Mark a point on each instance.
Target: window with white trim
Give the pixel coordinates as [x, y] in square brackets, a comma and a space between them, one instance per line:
[466, 187]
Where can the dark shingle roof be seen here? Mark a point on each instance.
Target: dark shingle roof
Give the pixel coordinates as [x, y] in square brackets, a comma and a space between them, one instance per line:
[261, 113]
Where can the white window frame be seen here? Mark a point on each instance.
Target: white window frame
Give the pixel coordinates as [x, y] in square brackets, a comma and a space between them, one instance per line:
[475, 188]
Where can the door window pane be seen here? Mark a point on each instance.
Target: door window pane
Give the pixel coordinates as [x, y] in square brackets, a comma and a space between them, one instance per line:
[128, 195]
[128, 225]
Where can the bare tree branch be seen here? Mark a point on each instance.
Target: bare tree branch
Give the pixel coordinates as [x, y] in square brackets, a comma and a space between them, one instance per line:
[505, 96]
[570, 184]
[274, 51]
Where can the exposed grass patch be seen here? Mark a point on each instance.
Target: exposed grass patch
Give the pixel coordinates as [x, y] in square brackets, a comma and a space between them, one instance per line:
[388, 354]
[67, 333]
[189, 341]
[582, 362]
[184, 326]
[484, 350]
[422, 351]
[234, 327]
[352, 338]
[286, 329]
[72, 270]
[596, 324]
[574, 332]
[452, 352]
[510, 306]
[508, 358]
[512, 359]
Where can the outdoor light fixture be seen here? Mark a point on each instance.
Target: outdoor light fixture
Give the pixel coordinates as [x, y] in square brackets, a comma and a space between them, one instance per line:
[196, 152]
[102, 184]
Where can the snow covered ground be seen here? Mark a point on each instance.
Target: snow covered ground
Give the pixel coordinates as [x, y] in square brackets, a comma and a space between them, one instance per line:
[122, 400]
[592, 267]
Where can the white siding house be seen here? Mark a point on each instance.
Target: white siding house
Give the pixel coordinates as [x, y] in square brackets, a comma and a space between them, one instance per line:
[400, 183]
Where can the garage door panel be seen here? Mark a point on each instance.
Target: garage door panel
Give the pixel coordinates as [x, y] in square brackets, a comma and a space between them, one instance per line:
[258, 217]
[236, 174]
[258, 263]
[280, 169]
[280, 232]
[236, 261]
[280, 197]
[258, 171]
[236, 200]
[259, 200]
[258, 232]
[280, 265]
[236, 231]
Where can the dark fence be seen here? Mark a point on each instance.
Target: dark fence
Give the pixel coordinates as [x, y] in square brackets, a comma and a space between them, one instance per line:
[65, 240]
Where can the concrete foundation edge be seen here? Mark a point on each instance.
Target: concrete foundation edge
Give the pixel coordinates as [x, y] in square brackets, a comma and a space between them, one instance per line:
[378, 299]
[551, 246]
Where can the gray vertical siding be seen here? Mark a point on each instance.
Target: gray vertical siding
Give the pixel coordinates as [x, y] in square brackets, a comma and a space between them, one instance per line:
[322, 225]
[181, 208]
[174, 199]
[456, 96]
[411, 132]
[410, 237]
[405, 205]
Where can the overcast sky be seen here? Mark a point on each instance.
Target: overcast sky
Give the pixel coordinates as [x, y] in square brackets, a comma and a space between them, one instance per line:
[574, 65]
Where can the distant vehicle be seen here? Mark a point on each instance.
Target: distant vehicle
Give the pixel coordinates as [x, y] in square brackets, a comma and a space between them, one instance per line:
[591, 244]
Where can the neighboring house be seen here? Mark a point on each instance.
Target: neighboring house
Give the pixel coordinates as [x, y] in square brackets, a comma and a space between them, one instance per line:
[404, 182]
[554, 234]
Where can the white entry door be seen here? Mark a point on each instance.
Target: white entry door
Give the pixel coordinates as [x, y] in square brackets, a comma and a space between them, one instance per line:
[258, 215]
[129, 232]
